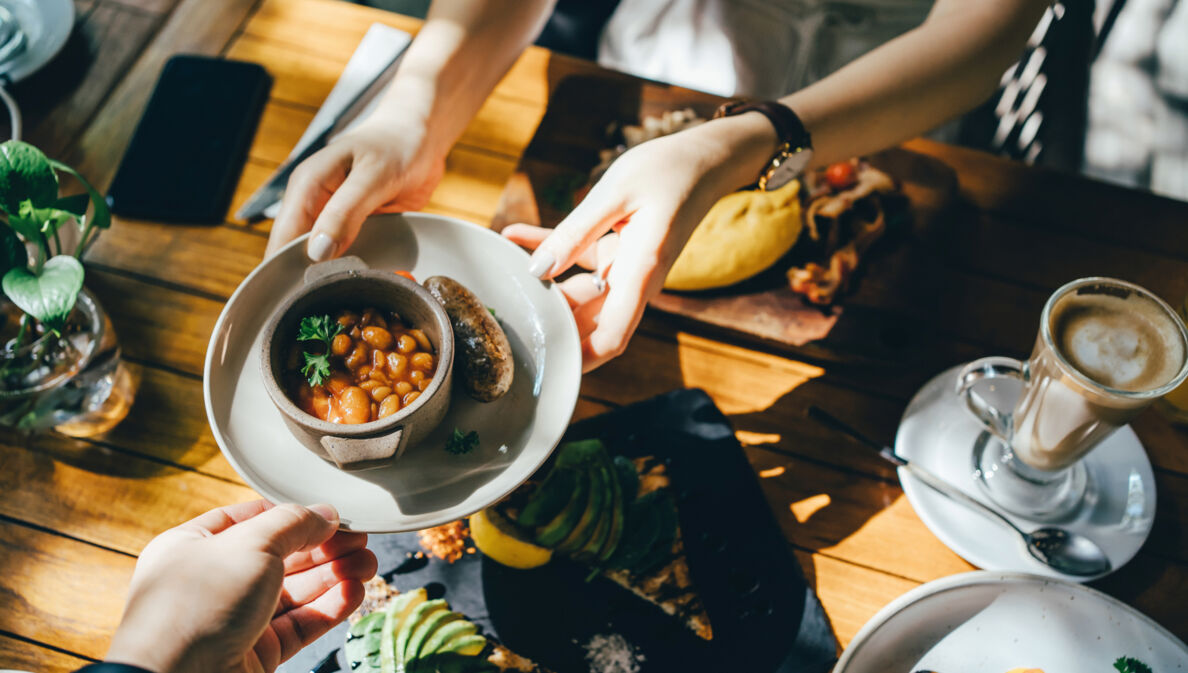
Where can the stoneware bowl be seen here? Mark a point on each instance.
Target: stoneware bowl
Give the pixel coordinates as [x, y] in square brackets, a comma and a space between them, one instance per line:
[349, 283]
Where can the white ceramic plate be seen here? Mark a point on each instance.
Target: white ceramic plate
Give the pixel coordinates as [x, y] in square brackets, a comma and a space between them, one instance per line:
[987, 622]
[427, 486]
[47, 25]
[938, 433]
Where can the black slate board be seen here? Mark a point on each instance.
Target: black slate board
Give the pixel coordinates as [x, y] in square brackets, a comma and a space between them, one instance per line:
[765, 617]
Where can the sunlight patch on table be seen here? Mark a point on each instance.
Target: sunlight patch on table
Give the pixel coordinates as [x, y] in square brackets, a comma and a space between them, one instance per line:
[740, 380]
[803, 510]
[748, 438]
[772, 472]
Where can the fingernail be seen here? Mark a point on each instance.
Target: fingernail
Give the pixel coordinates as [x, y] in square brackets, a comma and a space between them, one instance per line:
[542, 261]
[327, 512]
[321, 248]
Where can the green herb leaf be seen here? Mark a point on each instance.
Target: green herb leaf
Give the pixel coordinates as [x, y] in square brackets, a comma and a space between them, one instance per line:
[49, 296]
[1131, 665]
[25, 173]
[316, 369]
[100, 215]
[492, 312]
[47, 220]
[318, 328]
[460, 443]
[12, 251]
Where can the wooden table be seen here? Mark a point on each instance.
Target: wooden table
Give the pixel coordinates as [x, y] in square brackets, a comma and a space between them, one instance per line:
[74, 514]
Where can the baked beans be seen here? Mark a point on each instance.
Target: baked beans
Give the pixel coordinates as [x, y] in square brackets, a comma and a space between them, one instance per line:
[378, 366]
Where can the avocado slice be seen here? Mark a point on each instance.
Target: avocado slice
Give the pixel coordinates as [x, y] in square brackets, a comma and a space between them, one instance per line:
[447, 633]
[661, 549]
[628, 477]
[417, 617]
[581, 454]
[468, 646]
[395, 615]
[428, 627]
[611, 509]
[600, 492]
[362, 646]
[639, 532]
[549, 498]
[563, 523]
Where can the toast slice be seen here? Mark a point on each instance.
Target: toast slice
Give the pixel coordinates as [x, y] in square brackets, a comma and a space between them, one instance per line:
[646, 556]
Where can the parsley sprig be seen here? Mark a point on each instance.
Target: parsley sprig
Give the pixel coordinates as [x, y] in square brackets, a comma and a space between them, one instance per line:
[460, 443]
[322, 329]
[1131, 665]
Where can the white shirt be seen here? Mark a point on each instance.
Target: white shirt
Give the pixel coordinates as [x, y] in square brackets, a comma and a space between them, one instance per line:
[749, 47]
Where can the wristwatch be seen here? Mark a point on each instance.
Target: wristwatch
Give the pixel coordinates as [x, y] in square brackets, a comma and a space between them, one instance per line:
[796, 146]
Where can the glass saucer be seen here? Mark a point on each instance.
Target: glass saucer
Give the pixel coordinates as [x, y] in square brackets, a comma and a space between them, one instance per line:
[938, 433]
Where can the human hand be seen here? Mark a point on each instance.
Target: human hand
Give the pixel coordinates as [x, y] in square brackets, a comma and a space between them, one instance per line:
[240, 588]
[635, 221]
[378, 167]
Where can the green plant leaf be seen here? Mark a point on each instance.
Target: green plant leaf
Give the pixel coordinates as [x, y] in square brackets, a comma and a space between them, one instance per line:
[12, 251]
[25, 173]
[47, 220]
[100, 215]
[49, 297]
[76, 204]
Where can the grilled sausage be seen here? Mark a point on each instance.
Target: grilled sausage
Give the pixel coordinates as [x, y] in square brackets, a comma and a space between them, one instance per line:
[484, 356]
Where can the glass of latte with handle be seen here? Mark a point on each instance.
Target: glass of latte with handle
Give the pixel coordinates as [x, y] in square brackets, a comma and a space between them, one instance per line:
[1106, 350]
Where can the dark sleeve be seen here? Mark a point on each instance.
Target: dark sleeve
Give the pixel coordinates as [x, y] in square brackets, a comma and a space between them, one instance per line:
[104, 667]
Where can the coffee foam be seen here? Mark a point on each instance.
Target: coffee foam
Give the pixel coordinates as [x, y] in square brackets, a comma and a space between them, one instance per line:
[1124, 342]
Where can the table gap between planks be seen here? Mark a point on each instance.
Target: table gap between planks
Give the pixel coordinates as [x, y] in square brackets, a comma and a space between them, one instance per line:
[75, 513]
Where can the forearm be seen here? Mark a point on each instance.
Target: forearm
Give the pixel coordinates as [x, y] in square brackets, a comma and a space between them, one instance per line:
[943, 68]
[457, 58]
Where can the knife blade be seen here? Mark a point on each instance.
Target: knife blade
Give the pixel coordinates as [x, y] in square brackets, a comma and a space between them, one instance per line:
[270, 193]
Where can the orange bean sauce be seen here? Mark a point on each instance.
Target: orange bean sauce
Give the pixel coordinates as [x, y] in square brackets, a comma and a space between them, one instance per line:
[378, 366]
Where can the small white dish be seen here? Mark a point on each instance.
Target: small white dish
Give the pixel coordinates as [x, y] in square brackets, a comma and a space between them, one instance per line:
[937, 432]
[427, 486]
[47, 25]
[988, 622]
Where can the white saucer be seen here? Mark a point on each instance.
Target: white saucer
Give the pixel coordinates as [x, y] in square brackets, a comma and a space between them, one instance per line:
[987, 622]
[47, 25]
[427, 486]
[938, 433]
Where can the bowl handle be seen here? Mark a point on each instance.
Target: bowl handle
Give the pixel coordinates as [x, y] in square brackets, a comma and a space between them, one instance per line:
[320, 270]
[354, 455]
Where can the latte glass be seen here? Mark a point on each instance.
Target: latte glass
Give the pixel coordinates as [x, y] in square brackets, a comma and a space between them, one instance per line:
[1030, 462]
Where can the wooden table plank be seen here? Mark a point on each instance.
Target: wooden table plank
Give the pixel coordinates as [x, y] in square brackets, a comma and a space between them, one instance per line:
[1065, 202]
[58, 101]
[195, 26]
[60, 591]
[21, 654]
[110, 499]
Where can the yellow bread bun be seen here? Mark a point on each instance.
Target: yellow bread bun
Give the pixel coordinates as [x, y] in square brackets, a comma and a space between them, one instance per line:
[742, 234]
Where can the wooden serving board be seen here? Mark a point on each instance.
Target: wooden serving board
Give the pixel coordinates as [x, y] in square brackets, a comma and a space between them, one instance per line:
[558, 161]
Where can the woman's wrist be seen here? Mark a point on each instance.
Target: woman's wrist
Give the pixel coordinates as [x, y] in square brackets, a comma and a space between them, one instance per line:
[739, 148]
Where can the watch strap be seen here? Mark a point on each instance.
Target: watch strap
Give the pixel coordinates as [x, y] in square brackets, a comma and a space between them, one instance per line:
[788, 127]
[107, 667]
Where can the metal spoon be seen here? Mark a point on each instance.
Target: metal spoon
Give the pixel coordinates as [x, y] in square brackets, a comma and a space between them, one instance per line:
[1065, 551]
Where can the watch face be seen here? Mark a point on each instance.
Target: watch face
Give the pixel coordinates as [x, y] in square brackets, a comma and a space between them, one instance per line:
[789, 168]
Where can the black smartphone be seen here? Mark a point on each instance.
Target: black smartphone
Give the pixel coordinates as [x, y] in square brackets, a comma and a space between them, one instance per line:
[189, 147]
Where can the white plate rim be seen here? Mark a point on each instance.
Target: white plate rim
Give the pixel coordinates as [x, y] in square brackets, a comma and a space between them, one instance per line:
[984, 577]
[54, 13]
[274, 497]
